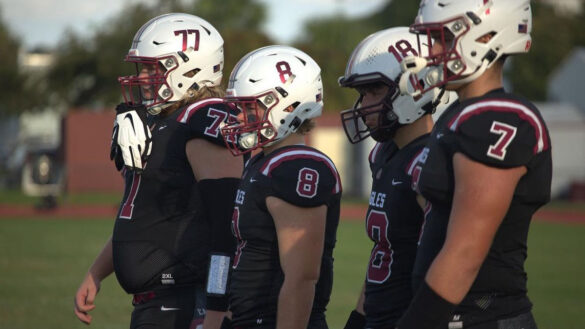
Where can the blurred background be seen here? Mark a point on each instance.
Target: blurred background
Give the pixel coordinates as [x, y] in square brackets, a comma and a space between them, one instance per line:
[59, 63]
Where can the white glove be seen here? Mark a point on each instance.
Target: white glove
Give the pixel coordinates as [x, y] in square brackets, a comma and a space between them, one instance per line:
[131, 137]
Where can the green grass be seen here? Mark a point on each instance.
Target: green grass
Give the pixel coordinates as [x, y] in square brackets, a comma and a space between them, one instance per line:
[42, 265]
[16, 197]
[43, 262]
[556, 272]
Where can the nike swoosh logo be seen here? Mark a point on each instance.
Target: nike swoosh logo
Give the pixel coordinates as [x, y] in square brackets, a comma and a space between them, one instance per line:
[129, 117]
[163, 308]
[394, 183]
[252, 180]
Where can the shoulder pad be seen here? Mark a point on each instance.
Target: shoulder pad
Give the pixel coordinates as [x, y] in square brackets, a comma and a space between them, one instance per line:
[500, 131]
[302, 176]
[205, 119]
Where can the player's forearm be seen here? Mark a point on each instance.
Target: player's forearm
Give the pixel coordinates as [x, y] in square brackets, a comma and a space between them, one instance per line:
[218, 196]
[360, 303]
[104, 263]
[213, 319]
[452, 273]
[295, 302]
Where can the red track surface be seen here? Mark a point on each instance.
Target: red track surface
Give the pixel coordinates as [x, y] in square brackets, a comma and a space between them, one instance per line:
[351, 212]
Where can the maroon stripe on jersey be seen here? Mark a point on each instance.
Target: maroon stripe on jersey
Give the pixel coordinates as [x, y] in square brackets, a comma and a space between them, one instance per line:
[191, 109]
[374, 152]
[426, 212]
[301, 153]
[504, 105]
[128, 205]
[414, 161]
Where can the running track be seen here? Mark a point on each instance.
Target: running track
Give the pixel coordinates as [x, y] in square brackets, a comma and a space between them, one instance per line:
[349, 212]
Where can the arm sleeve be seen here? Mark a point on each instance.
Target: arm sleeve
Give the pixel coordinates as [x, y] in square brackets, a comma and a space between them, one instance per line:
[218, 197]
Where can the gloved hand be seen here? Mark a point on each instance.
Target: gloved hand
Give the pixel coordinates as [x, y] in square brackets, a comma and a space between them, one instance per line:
[131, 138]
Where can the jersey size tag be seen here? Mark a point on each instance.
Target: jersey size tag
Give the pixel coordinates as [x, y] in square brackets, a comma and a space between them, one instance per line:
[219, 266]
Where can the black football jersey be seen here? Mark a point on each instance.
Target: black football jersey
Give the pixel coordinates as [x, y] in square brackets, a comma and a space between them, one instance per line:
[499, 130]
[303, 177]
[160, 237]
[393, 222]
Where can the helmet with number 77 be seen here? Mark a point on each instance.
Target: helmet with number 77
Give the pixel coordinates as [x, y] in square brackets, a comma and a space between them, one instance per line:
[376, 60]
[181, 52]
[474, 34]
[277, 88]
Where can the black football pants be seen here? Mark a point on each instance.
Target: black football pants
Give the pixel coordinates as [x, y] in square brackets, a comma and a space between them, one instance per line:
[167, 309]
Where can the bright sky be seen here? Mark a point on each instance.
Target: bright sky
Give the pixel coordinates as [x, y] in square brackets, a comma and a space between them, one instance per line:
[42, 22]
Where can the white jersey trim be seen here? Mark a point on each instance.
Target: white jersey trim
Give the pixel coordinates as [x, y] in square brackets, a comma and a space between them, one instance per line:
[184, 117]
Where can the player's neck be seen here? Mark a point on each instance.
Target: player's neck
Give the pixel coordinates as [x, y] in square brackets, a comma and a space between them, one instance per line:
[491, 79]
[292, 139]
[408, 133]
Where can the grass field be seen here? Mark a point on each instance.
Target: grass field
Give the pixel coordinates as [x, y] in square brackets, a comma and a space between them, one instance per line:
[44, 260]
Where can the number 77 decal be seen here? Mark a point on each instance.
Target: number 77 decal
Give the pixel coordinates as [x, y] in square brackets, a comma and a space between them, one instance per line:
[507, 134]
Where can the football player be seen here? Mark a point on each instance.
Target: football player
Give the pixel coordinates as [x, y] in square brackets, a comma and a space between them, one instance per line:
[173, 228]
[485, 170]
[400, 124]
[287, 205]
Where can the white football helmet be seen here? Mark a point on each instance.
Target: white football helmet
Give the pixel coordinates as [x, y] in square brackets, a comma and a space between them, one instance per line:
[277, 88]
[376, 60]
[461, 23]
[184, 51]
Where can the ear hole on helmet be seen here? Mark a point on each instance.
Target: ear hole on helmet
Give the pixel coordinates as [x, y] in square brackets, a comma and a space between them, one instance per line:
[191, 73]
[291, 107]
[486, 37]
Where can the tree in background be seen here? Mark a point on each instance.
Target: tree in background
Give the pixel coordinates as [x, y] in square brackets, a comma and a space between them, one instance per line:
[331, 40]
[86, 70]
[16, 93]
[554, 36]
[239, 22]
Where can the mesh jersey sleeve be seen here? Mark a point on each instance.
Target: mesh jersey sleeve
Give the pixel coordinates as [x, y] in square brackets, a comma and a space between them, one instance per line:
[304, 180]
[499, 133]
[205, 120]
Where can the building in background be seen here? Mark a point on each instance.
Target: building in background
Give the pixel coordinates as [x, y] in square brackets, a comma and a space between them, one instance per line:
[567, 82]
